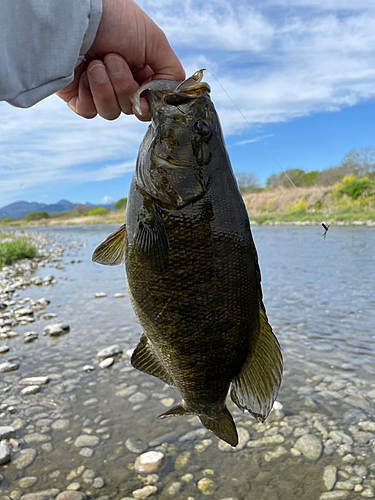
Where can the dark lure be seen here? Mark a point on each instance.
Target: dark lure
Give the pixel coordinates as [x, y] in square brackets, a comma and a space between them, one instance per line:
[191, 265]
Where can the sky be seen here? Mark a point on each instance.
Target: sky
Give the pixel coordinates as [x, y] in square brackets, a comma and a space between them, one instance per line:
[302, 72]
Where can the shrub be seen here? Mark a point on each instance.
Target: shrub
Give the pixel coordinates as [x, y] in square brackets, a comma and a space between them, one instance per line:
[299, 207]
[120, 204]
[16, 249]
[97, 211]
[36, 216]
[5, 219]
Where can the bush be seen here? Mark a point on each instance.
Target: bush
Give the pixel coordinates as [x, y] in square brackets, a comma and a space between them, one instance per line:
[298, 208]
[120, 204]
[36, 216]
[5, 219]
[16, 249]
[98, 211]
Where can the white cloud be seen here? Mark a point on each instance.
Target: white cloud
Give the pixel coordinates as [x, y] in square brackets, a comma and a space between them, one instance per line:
[107, 200]
[254, 139]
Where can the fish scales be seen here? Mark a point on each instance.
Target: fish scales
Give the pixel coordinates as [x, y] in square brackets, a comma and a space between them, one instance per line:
[191, 265]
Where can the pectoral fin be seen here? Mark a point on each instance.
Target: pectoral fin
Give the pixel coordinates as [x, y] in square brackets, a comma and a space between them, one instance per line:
[255, 388]
[112, 251]
[223, 427]
[152, 242]
[145, 360]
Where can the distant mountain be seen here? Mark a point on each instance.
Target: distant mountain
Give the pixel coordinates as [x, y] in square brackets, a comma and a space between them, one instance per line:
[22, 208]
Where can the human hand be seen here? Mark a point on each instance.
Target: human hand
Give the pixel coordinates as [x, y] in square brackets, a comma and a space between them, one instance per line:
[129, 49]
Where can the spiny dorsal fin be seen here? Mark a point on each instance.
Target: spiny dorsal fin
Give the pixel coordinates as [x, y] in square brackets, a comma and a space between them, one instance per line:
[255, 388]
[112, 251]
[145, 360]
[223, 427]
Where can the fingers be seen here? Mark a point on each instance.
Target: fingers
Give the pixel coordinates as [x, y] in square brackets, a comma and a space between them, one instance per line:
[83, 104]
[122, 81]
[102, 91]
[162, 59]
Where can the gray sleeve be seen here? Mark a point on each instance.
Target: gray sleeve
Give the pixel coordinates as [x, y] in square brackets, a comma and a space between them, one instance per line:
[41, 43]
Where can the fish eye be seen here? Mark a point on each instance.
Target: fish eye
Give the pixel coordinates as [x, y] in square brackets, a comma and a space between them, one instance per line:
[201, 128]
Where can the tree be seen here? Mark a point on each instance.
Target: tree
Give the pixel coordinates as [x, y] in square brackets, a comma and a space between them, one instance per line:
[247, 182]
[120, 204]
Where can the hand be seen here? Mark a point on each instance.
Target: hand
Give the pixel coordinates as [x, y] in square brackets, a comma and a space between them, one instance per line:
[129, 49]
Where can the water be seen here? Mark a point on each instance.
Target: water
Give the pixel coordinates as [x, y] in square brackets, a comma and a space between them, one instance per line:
[320, 299]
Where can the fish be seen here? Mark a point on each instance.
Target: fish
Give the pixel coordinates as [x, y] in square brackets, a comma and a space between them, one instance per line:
[191, 265]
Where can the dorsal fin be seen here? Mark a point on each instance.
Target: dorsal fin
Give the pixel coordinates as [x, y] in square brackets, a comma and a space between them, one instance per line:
[255, 388]
[112, 251]
[145, 360]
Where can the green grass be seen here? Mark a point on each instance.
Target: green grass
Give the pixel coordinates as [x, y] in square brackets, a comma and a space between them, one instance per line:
[16, 249]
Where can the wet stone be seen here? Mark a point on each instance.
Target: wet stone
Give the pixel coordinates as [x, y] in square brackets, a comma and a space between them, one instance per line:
[25, 459]
[73, 486]
[88, 368]
[108, 352]
[56, 329]
[206, 486]
[47, 447]
[243, 438]
[119, 295]
[334, 495]
[266, 440]
[29, 337]
[278, 452]
[100, 295]
[136, 445]
[310, 446]
[31, 389]
[182, 460]
[149, 461]
[36, 437]
[34, 381]
[169, 437]
[368, 492]
[60, 424]
[138, 397]
[85, 440]
[106, 363]
[144, 492]
[8, 366]
[41, 495]
[7, 432]
[4, 453]
[86, 452]
[329, 476]
[192, 435]
[26, 482]
[344, 485]
[174, 488]
[98, 483]
[4, 349]
[71, 495]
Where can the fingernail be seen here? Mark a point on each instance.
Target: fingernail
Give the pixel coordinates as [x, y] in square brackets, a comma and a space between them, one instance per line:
[98, 73]
[115, 65]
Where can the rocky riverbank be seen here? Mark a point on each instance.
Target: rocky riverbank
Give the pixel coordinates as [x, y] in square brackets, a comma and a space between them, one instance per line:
[78, 423]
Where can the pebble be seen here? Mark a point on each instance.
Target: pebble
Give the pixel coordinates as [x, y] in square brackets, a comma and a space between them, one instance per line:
[182, 460]
[368, 492]
[276, 453]
[100, 295]
[257, 443]
[192, 435]
[4, 453]
[144, 492]
[108, 352]
[7, 432]
[106, 363]
[98, 483]
[36, 437]
[60, 424]
[34, 381]
[206, 486]
[26, 482]
[243, 438]
[56, 329]
[86, 440]
[138, 397]
[71, 495]
[88, 368]
[29, 337]
[169, 437]
[310, 446]
[25, 459]
[329, 476]
[174, 488]
[43, 301]
[149, 461]
[31, 389]
[136, 445]
[86, 452]
[47, 447]
[119, 295]
[73, 486]
[4, 349]
[334, 495]
[167, 402]
[9, 366]
[41, 495]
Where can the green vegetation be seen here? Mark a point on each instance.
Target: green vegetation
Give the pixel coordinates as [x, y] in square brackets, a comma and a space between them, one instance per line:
[15, 249]
[298, 208]
[120, 204]
[36, 216]
[97, 211]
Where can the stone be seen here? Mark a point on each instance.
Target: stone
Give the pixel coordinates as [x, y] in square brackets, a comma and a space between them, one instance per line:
[34, 381]
[56, 329]
[47, 447]
[29, 337]
[36, 437]
[334, 495]
[98, 483]
[192, 435]
[4, 453]
[25, 458]
[60, 425]
[31, 389]
[26, 482]
[310, 446]
[182, 460]
[41, 495]
[9, 366]
[174, 488]
[86, 452]
[88, 368]
[276, 453]
[149, 461]
[136, 445]
[108, 352]
[169, 437]
[71, 495]
[119, 295]
[144, 492]
[345, 485]
[329, 476]
[257, 443]
[243, 438]
[73, 486]
[43, 302]
[138, 397]
[100, 295]
[363, 437]
[106, 363]
[7, 432]
[354, 416]
[4, 349]
[206, 486]
[368, 492]
[86, 440]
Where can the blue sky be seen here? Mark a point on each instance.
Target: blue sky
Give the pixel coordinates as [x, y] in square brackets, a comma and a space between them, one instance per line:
[301, 71]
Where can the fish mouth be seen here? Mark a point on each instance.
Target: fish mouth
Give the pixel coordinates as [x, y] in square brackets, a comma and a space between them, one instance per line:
[170, 163]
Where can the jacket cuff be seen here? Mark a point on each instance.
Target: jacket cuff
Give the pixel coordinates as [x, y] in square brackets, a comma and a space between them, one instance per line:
[95, 15]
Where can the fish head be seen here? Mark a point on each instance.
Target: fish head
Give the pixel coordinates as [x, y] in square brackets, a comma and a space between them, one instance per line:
[175, 160]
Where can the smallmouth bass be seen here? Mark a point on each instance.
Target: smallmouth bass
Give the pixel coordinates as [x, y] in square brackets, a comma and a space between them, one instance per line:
[191, 265]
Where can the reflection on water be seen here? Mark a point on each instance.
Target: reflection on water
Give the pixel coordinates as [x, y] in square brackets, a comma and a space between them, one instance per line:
[320, 299]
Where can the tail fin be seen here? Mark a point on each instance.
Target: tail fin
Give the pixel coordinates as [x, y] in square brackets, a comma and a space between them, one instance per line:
[223, 427]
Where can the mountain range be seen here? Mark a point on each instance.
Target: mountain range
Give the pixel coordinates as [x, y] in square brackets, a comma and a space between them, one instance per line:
[22, 208]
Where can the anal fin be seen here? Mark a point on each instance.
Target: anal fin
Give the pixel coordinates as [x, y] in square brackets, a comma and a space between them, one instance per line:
[112, 251]
[145, 360]
[223, 427]
[255, 388]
